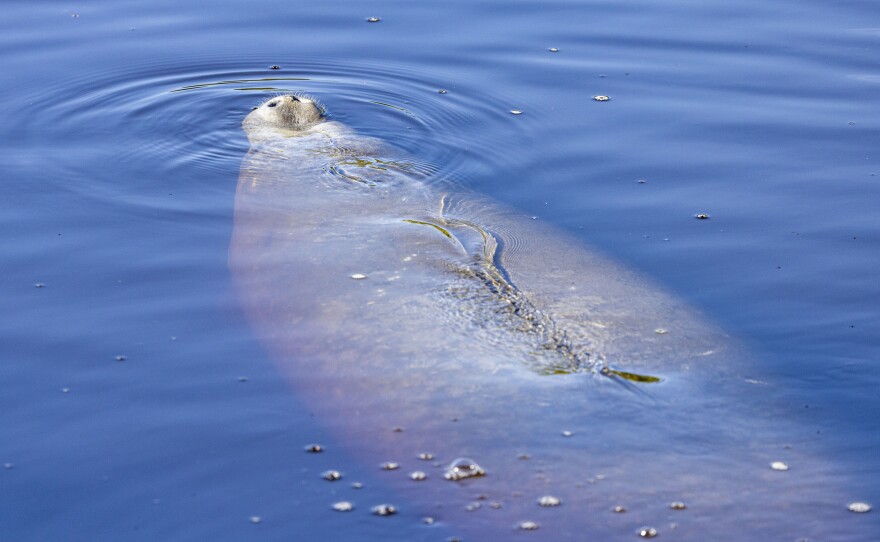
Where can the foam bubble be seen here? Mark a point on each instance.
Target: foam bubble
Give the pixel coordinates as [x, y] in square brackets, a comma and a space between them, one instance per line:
[462, 468]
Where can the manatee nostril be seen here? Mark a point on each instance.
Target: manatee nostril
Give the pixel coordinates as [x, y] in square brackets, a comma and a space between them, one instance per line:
[273, 104]
[294, 98]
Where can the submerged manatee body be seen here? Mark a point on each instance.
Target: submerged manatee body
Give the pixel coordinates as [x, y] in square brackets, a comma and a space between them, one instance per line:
[477, 332]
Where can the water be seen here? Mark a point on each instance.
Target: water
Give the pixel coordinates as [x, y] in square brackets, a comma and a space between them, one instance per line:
[121, 148]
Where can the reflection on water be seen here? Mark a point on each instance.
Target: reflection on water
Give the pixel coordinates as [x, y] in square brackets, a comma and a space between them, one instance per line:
[121, 151]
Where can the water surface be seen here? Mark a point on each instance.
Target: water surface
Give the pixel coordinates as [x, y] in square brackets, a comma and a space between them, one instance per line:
[121, 148]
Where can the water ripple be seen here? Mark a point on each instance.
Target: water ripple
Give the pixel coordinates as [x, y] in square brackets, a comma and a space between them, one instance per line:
[206, 103]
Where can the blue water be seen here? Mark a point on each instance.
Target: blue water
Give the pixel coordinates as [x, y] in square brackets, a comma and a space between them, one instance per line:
[121, 145]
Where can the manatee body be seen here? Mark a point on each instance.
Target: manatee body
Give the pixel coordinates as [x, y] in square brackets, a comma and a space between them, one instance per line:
[414, 320]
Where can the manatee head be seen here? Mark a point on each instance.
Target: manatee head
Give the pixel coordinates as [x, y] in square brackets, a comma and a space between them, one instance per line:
[287, 112]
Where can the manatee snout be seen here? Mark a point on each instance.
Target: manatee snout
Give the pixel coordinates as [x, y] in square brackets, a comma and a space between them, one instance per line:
[289, 112]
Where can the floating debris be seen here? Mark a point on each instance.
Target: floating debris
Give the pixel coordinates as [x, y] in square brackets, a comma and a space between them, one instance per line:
[255, 519]
[473, 506]
[357, 485]
[384, 510]
[515, 112]
[331, 475]
[343, 506]
[553, 50]
[647, 532]
[39, 285]
[442, 91]
[779, 465]
[428, 520]
[661, 331]
[527, 526]
[601, 98]
[641, 181]
[418, 476]
[358, 276]
[390, 465]
[426, 456]
[373, 19]
[65, 390]
[549, 500]
[314, 448]
[567, 433]
[677, 505]
[859, 507]
[494, 505]
[702, 216]
[619, 509]
[462, 468]
[120, 358]
[274, 67]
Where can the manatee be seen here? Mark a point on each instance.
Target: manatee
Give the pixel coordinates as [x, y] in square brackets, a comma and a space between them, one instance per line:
[418, 318]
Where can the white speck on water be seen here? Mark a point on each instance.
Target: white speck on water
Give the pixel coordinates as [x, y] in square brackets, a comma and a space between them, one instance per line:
[331, 475]
[779, 465]
[255, 519]
[553, 50]
[647, 532]
[549, 500]
[527, 525]
[343, 506]
[859, 507]
[390, 465]
[567, 433]
[516, 112]
[373, 19]
[601, 98]
[418, 476]
[384, 510]
[358, 276]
